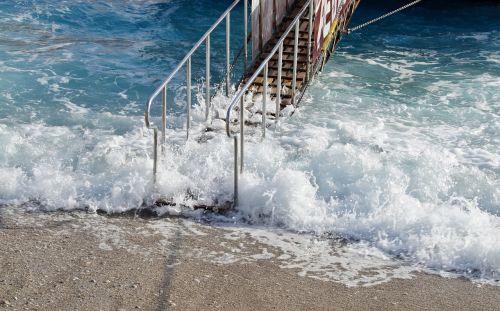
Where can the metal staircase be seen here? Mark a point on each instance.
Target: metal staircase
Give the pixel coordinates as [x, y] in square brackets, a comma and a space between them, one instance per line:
[279, 75]
[187, 64]
[290, 76]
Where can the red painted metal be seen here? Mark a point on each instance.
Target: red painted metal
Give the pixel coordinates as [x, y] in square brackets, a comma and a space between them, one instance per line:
[326, 11]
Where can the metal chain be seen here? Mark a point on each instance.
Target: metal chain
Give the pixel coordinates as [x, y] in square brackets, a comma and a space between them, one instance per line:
[383, 16]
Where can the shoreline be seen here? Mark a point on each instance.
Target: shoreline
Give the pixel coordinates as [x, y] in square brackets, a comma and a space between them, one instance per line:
[79, 261]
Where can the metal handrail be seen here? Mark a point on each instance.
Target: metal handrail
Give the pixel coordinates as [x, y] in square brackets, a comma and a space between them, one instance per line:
[239, 98]
[278, 46]
[187, 62]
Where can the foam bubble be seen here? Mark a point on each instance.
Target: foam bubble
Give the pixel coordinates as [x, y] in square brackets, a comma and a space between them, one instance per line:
[399, 149]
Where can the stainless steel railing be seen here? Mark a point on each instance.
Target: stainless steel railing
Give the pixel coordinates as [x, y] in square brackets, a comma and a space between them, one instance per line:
[187, 63]
[264, 67]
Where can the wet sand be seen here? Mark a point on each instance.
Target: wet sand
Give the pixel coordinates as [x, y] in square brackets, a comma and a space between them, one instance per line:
[78, 261]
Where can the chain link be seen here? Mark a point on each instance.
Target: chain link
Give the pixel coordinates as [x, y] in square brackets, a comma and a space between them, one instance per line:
[383, 16]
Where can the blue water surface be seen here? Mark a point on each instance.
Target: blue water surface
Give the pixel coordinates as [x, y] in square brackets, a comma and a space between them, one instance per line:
[107, 56]
[396, 143]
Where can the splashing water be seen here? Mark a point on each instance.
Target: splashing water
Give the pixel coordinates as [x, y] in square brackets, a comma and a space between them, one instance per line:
[396, 144]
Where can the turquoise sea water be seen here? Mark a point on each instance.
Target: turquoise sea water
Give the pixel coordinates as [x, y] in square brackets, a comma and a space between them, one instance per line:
[396, 144]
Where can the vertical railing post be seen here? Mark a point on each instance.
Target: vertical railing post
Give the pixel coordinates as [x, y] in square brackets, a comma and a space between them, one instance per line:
[245, 37]
[228, 53]
[295, 52]
[236, 172]
[207, 78]
[188, 90]
[164, 118]
[242, 132]
[278, 82]
[309, 39]
[155, 154]
[261, 21]
[264, 100]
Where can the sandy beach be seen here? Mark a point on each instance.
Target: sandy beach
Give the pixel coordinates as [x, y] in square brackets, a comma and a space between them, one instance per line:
[79, 261]
[354, 163]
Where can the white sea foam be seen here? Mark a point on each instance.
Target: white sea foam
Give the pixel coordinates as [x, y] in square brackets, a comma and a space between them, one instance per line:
[324, 258]
[415, 200]
[399, 149]
[479, 36]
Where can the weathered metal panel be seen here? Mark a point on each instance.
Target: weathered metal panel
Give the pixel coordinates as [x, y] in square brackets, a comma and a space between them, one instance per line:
[281, 8]
[266, 16]
[255, 28]
[327, 16]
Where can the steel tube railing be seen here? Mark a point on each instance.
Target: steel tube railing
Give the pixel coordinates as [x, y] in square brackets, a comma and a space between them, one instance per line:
[242, 131]
[187, 62]
[236, 172]
[309, 39]
[278, 84]
[264, 100]
[155, 153]
[238, 98]
[184, 60]
[164, 117]
[245, 41]
[188, 98]
[207, 77]
[295, 55]
[228, 53]
[257, 72]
